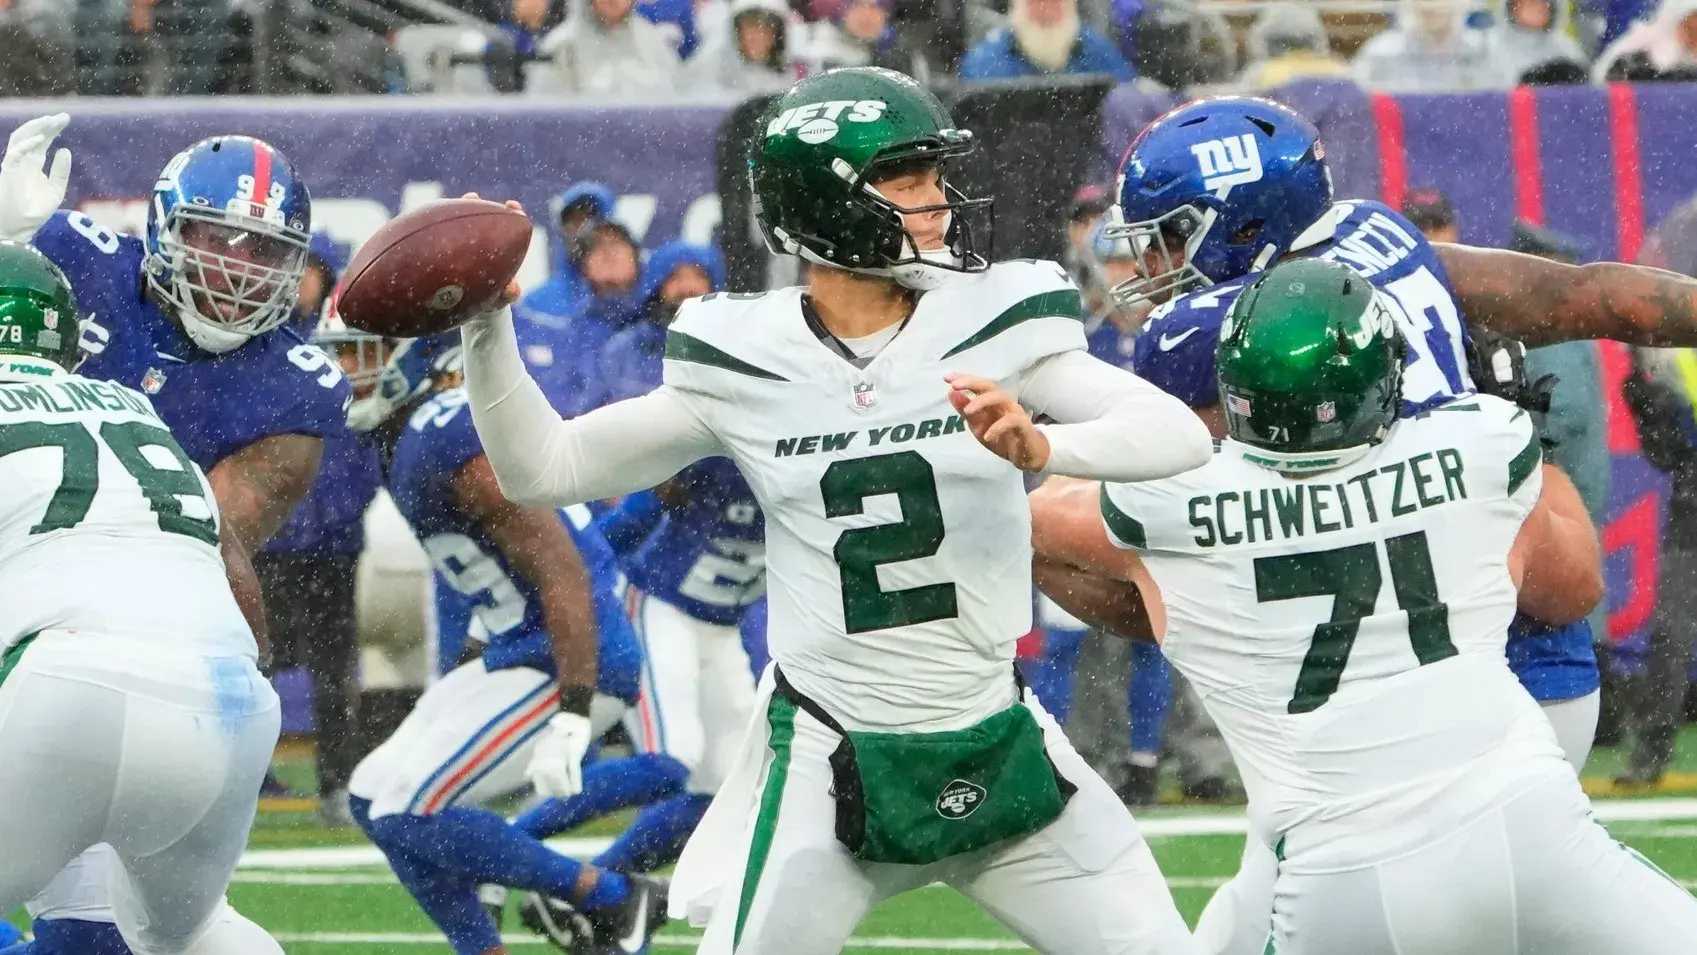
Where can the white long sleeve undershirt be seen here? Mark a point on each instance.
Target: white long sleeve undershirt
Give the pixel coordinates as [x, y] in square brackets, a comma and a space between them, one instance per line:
[1113, 426]
[542, 460]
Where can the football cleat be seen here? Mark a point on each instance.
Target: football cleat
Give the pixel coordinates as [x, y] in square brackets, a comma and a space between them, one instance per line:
[625, 929]
[558, 921]
[493, 898]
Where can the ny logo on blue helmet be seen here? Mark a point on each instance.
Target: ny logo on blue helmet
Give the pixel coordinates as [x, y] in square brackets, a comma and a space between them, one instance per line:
[227, 239]
[1215, 190]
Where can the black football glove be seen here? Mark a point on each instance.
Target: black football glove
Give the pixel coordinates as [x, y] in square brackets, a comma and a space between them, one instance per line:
[1498, 366]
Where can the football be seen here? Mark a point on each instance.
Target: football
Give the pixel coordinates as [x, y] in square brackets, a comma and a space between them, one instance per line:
[433, 268]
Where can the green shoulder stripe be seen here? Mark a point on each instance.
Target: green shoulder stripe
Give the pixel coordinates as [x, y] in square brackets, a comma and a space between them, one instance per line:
[1524, 463]
[682, 347]
[1060, 303]
[1124, 526]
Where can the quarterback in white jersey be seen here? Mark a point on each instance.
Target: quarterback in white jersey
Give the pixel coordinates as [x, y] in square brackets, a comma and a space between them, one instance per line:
[1337, 584]
[132, 711]
[893, 745]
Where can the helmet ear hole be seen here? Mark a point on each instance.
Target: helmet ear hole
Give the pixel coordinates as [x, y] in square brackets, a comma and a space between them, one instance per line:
[1246, 234]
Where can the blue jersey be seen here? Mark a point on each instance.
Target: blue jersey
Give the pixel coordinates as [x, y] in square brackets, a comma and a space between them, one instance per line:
[437, 441]
[1110, 343]
[215, 405]
[331, 518]
[1175, 351]
[708, 556]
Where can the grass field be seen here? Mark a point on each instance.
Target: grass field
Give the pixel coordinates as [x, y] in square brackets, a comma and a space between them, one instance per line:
[325, 892]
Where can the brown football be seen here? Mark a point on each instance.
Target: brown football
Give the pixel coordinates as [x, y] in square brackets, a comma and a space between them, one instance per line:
[433, 268]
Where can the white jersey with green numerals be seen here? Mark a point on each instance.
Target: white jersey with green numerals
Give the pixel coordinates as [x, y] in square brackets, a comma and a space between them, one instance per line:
[898, 548]
[107, 525]
[1346, 629]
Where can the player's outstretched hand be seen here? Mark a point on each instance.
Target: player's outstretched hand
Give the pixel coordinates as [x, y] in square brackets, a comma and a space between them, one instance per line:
[998, 422]
[510, 294]
[556, 766]
[30, 192]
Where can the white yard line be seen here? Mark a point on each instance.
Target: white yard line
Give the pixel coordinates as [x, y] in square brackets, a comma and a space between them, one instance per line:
[665, 941]
[1201, 824]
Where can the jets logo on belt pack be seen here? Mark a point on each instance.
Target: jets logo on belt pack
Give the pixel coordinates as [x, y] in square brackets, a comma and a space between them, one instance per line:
[960, 799]
[1233, 161]
[820, 122]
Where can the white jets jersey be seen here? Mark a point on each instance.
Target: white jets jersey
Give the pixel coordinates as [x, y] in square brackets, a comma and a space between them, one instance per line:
[1346, 629]
[898, 548]
[107, 526]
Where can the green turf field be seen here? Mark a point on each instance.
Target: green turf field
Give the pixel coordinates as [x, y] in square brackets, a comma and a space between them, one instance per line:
[321, 901]
[325, 892]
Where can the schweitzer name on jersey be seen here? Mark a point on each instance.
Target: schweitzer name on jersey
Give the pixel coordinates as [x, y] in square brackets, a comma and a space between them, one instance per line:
[1428, 479]
[871, 437]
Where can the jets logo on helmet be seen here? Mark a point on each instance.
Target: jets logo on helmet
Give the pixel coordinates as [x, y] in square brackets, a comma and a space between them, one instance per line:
[1228, 162]
[819, 122]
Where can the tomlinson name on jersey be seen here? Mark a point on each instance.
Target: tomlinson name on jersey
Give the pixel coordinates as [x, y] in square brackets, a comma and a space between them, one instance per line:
[1304, 510]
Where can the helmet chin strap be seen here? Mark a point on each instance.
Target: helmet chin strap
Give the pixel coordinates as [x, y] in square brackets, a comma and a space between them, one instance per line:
[208, 335]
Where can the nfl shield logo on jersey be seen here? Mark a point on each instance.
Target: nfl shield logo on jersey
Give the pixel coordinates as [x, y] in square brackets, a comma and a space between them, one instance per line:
[1326, 411]
[865, 394]
[153, 381]
[960, 799]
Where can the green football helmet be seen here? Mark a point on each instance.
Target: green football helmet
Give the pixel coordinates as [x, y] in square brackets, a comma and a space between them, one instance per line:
[38, 312]
[820, 150]
[1310, 366]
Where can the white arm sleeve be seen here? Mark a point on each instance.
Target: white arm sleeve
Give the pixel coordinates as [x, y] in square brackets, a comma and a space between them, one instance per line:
[542, 460]
[1114, 425]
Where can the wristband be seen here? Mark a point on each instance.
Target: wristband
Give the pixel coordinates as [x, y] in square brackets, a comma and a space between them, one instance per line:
[575, 699]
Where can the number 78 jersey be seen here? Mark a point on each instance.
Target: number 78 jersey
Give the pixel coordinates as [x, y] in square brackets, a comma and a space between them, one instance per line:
[1346, 629]
[898, 548]
[107, 526]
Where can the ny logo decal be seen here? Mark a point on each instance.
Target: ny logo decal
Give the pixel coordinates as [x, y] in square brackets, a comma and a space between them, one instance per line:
[1228, 162]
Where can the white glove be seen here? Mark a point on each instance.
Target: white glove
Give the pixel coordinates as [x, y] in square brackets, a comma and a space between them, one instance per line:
[28, 195]
[556, 765]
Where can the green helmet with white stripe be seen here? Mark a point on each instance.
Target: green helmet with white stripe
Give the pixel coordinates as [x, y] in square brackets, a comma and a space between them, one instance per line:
[38, 311]
[818, 156]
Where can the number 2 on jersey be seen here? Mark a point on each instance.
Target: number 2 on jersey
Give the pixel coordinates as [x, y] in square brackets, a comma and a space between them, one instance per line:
[1351, 575]
[860, 551]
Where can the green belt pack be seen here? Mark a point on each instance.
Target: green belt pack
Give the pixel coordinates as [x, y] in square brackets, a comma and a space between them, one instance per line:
[917, 798]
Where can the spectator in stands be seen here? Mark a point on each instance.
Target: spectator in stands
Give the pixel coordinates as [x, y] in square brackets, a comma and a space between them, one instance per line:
[861, 34]
[676, 19]
[1430, 49]
[37, 39]
[751, 56]
[1287, 42]
[1529, 34]
[1044, 37]
[1089, 204]
[605, 48]
[523, 23]
[1663, 48]
[1431, 213]
[562, 296]
[554, 346]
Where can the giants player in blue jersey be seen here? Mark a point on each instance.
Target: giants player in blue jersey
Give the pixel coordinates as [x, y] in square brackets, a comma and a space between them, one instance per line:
[1220, 189]
[694, 552]
[190, 314]
[559, 667]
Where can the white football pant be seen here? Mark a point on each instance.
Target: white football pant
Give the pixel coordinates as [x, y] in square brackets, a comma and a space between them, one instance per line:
[156, 750]
[1238, 918]
[697, 690]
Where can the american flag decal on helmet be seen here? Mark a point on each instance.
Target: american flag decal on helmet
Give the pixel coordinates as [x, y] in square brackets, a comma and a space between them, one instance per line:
[1237, 404]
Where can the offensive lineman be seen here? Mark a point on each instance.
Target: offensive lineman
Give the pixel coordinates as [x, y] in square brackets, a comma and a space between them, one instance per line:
[133, 714]
[900, 560]
[1338, 584]
[189, 315]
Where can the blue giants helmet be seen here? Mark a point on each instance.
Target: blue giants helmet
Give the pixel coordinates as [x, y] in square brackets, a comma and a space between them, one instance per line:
[227, 239]
[1215, 190]
[417, 367]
